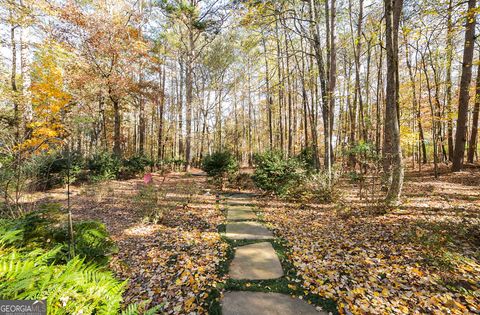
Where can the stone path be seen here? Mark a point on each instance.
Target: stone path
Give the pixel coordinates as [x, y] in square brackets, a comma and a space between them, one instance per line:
[259, 303]
[240, 215]
[247, 231]
[257, 261]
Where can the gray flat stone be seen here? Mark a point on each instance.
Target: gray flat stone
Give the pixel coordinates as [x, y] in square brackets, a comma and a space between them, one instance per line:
[247, 231]
[240, 215]
[239, 202]
[255, 262]
[259, 303]
[241, 208]
[242, 196]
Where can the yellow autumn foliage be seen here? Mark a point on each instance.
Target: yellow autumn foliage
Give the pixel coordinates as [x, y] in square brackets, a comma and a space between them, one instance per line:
[49, 99]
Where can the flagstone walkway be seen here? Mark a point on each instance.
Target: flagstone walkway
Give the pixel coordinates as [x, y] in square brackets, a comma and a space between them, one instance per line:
[257, 261]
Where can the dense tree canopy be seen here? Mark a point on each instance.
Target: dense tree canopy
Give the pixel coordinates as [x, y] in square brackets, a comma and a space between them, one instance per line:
[178, 79]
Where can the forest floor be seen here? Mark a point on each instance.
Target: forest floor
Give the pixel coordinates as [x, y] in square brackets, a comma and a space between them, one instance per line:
[423, 256]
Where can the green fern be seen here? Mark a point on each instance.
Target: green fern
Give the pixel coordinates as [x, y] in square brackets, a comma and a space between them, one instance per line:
[140, 308]
[68, 289]
[31, 269]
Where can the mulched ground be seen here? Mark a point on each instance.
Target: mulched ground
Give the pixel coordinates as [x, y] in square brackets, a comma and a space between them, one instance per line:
[172, 263]
[423, 257]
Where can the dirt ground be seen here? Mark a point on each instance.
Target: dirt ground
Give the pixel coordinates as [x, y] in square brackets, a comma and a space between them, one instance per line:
[422, 257]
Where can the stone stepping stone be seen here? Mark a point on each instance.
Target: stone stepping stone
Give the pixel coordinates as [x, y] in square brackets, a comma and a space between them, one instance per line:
[239, 202]
[241, 208]
[240, 215]
[247, 231]
[242, 196]
[255, 262]
[260, 303]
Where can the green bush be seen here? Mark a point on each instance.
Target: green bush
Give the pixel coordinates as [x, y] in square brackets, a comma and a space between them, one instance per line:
[220, 164]
[30, 270]
[134, 165]
[277, 174]
[91, 241]
[51, 170]
[47, 228]
[307, 158]
[104, 166]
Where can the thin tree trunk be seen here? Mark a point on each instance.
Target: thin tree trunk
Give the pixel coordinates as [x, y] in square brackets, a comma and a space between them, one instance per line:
[393, 9]
[161, 104]
[117, 145]
[449, 80]
[472, 146]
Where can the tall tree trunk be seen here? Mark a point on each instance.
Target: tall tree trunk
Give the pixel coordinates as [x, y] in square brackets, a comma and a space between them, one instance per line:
[141, 126]
[314, 30]
[188, 101]
[117, 140]
[280, 88]
[415, 104]
[24, 71]
[449, 80]
[180, 84]
[13, 81]
[472, 146]
[393, 10]
[161, 104]
[269, 97]
[463, 98]
[289, 99]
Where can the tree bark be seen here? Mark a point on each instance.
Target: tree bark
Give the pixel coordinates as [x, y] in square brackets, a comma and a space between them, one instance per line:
[117, 141]
[461, 132]
[472, 146]
[161, 104]
[393, 10]
[449, 81]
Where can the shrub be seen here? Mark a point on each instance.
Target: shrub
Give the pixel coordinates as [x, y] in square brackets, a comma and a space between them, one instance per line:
[47, 228]
[277, 174]
[91, 241]
[51, 170]
[220, 164]
[307, 158]
[134, 165]
[315, 187]
[104, 166]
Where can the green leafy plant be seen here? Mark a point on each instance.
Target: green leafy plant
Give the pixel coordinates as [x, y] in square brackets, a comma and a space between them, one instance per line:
[69, 288]
[52, 170]
[134, 165]
[277, 174]
[103, 166]
[47, 228]
[31, 270]
[219, 165]
[307, 158]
